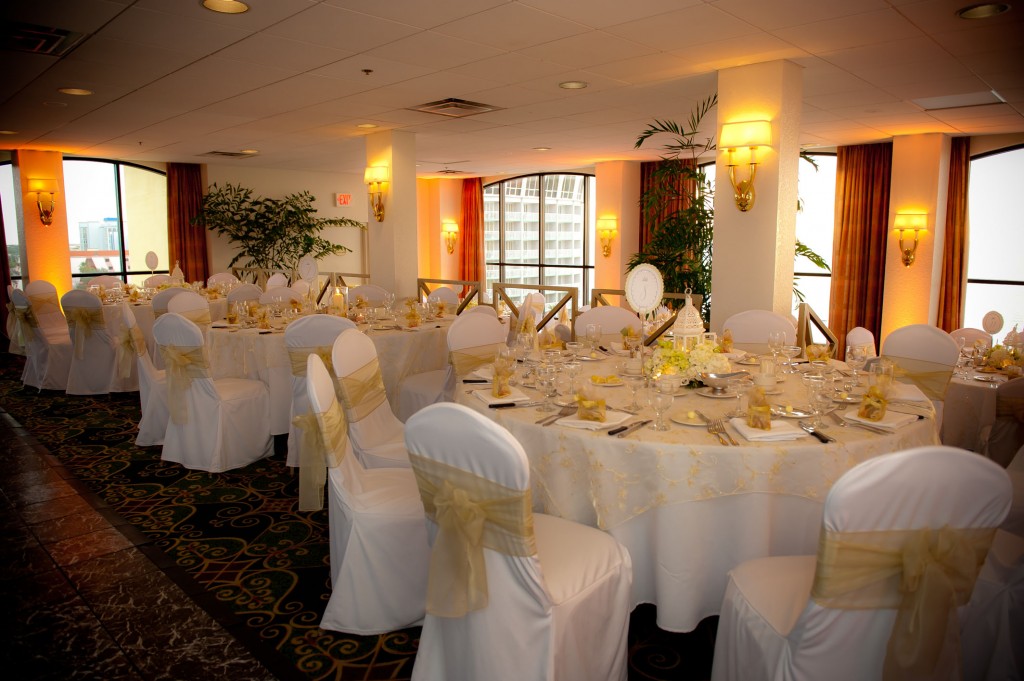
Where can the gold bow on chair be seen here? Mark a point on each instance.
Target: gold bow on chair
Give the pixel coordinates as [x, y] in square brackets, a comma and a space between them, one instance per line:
[298, 354]
[199, 317]
[472, 513]
[25, 322]
[184, 363]
[124, 352]
[931, 377]
[45, 303]
[323, 445]
[84, 320]
[468, 360]
[924, 573]
[362, 391]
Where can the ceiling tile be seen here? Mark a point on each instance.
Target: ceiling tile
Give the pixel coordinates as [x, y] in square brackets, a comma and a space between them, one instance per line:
[509, 68]
[512, 27]
[684, 28]
[286, 53]
[859, 30]
[588, 49]
[416, 12]
[336, 27]
[434, 51]
[603, 13]
[783, 13]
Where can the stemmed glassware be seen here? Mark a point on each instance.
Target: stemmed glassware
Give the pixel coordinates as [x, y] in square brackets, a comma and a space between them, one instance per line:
[661, 402]
[634, 383]
[389, 303]
[776, 341]
[546, 384]
[856, 357]
[790, 352]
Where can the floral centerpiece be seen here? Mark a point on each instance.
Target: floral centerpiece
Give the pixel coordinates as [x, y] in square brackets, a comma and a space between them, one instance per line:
[1001, 357]
[688, 365]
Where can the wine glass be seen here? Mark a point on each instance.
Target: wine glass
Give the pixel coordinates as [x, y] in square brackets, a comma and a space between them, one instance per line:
[389, 302]
[821, 400]
[546, 384]
[790, 352]
[594, 336]
[661, 402]
[573, 349]
[856, 357]
[633, 382]
[776, 341]
[735, 386]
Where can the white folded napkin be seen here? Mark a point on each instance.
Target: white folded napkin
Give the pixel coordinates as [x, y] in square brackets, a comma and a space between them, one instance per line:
[516, 395]
[907, 392]
[619, 349]
[735, 355]
[486, 372]
[891, 421]
[781, 430]
[611, 419]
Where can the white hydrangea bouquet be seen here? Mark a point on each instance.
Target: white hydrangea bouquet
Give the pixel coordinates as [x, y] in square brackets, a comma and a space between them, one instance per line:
[688, 365]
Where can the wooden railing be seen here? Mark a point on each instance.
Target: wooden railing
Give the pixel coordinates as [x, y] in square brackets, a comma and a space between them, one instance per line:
[597, 297]
[570, 295]
[474, 289]
[325, 280]
[806, 318]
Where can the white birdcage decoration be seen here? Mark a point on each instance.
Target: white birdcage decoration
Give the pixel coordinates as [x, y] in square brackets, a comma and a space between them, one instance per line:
[688, 329]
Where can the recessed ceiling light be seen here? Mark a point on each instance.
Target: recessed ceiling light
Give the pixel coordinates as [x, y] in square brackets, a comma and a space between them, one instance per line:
[542, 148]
[573, 85]
[77, 91]
[983, 11]
[367, 125]
[226, 6]
[250, 151]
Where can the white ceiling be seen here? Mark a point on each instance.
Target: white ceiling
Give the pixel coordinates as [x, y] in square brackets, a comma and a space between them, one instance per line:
[174, 81]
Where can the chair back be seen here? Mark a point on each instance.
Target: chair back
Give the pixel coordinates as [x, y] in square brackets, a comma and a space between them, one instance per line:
[42, 295]
[444, 293]
[187, 383]
[155, 280]
[923, 342]
[105, 280]
[971, 336]
[162, 298]
[193, 307]
[244, 292]
[473, 341]
[1006, 434]
[611, 318]
[275, 280]
[279, 294]
[221, 278]
[370, 419]
[750, 328]
[858, 335]
[371, 293]
[483, 309]
[301, 287]
[84, 313]
[321, 401]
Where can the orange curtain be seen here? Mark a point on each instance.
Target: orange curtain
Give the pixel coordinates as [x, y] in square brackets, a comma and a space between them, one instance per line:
[673, 185]
[954, 254]
[5, 280]
[472, 221]
[863, 174]
[187, 242]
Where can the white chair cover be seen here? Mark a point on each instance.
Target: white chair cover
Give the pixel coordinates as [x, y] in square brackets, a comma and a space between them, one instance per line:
[192, 307]
[770, 625]
[46, 309]
[155, 280]
[13, 336]
[152, 388]
[1002, 439]
[93, 368]
[301, 337]
[927, 343]
[858, 335]
[279, 294]
[371, 293]
[377, 438]
[560, 611]
[301, 287]
[221, 278]
[378, 540]
[107, 281]
[276, 280]
[228, 420]
[244, 292]
[159, 304]
[483, 309]
[750, 329]
[612, 320]
[47, 356]
[971, 336]
[1014, 522]
[446, 294]
[429, 387]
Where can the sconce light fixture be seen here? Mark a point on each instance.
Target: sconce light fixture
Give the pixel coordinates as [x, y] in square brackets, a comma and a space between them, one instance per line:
[745, 135]
[905, 222]
[376, 178]
[606, 231]
[450, 230]
[44, 191]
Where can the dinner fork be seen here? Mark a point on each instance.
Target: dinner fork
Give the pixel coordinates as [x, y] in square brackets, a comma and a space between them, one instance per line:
[720, 429]
[713, 428]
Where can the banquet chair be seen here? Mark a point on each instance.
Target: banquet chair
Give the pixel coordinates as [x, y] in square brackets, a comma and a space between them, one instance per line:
[750, 329]
[93, 367]
[483, 309]
[612, 320]
[473, 341]
[42, 295]
[47, 356]
[221, 278]
[313, 334]
[1014, 522]
[926, 356]
[448, 295]
[14, 347]
[972, 336]
[280, 294]
[302, 288]
[807, 617]
[244, 292]
[194, 308]
[152, 387]
[214, 425]
[858, 335]
[378, 540]
[1003, 437]
[162, 298]
[370, 293]
[276, 280]
[376, 434]
[155, 280]
[536, 596]
[107, 281]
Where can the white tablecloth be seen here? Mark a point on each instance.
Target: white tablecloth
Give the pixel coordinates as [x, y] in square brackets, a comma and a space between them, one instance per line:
[144, 318]
[687, 508]
[969, 407]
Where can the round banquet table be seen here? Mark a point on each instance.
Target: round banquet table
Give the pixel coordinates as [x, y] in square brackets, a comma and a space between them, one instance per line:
[262, 355]
[686, 507]
[144, 318]
[969, 407]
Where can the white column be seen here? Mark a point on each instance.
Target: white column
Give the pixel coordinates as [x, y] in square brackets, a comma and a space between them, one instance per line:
[618, 195]
[393, 242]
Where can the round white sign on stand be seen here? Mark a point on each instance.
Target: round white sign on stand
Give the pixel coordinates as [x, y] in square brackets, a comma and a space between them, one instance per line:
[992, 322]
[152, 261]
[645, 288]
[308, 270]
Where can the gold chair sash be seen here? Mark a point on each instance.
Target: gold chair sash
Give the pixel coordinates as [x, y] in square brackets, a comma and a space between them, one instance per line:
[46, 303]
[12, 320]
[362, 391]
[138, 341]
[84, 320]
[124, 353]
[25, 322]
[926, 574]
[323, 445]
[199, 317]
[468, 360]
[184, 363]
[297, 355]
[931, 377]
[472, 513]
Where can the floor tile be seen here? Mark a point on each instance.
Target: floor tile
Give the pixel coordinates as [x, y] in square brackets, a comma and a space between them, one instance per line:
[86, 546]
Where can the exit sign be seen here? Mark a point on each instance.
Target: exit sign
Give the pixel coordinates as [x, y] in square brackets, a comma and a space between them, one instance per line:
[343, 199]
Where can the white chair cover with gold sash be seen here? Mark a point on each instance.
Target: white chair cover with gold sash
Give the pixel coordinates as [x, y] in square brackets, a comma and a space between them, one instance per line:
[378, 538]
[376, 434]
[311, 334]
[367, 294]
[923, 353]
[904, 536]
[473, 341]
[192, 307]
[15, 346]
[559, 612]
[152, 386]
[42, 296]
[612, 320]
[215, 425]
[93, 364]
[750, 329]
[47, 360]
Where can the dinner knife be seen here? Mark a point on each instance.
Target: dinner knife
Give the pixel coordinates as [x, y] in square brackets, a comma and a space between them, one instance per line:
[623, 431]
[509, 405]
[476, 380]
[821, 436]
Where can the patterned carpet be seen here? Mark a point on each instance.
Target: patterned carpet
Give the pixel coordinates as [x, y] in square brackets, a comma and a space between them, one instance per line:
[241, 538]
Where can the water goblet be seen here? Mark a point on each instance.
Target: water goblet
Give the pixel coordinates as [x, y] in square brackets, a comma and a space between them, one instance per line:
[661, 402]
[776, 341]
[546, 385]
[573, 349]
[389, 302]
[735, 387]
[633, 382]
[856, 357]
[790, 352]
[594, 336]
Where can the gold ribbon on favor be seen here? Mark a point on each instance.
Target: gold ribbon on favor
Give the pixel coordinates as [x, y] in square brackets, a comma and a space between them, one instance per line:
[44, 304]
[297, 355]
[124, 353]
[472, 513]
[468, 360]
[362, 391]
[931, 377]
[199, 317]
[84, 320]
[925, 574]
[184, 363]
[25, 321]
[323, 445]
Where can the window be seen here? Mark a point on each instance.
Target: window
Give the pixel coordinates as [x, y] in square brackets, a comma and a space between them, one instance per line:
[995, 278]
[815, 228]
[10, 222]
[116, 214]
[538, 229]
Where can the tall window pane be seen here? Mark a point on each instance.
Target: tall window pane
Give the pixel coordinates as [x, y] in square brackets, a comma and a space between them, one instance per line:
[144, 212]
[815, 228]
[10, 222]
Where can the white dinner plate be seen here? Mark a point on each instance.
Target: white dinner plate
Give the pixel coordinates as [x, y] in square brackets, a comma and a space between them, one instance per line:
[748, 361]
[988, 379]
[683, 419]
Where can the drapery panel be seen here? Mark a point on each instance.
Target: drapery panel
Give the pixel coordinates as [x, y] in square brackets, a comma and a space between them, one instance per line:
[953, 284]
[186, 242]
[472, 221]
[863, 178]
[5, 279]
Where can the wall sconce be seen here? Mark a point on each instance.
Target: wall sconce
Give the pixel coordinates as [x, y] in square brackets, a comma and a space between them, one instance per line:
[749, 135]
[904, 222]
[450, 230]
[44, 191]
[376, 178]
[606, 231]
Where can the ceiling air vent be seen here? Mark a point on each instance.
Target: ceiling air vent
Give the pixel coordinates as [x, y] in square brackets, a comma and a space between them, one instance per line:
[46, 40]
[229, 154]
[455, 108]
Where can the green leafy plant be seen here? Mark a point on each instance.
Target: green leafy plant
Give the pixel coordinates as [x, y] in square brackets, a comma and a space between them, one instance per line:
[269, 233]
